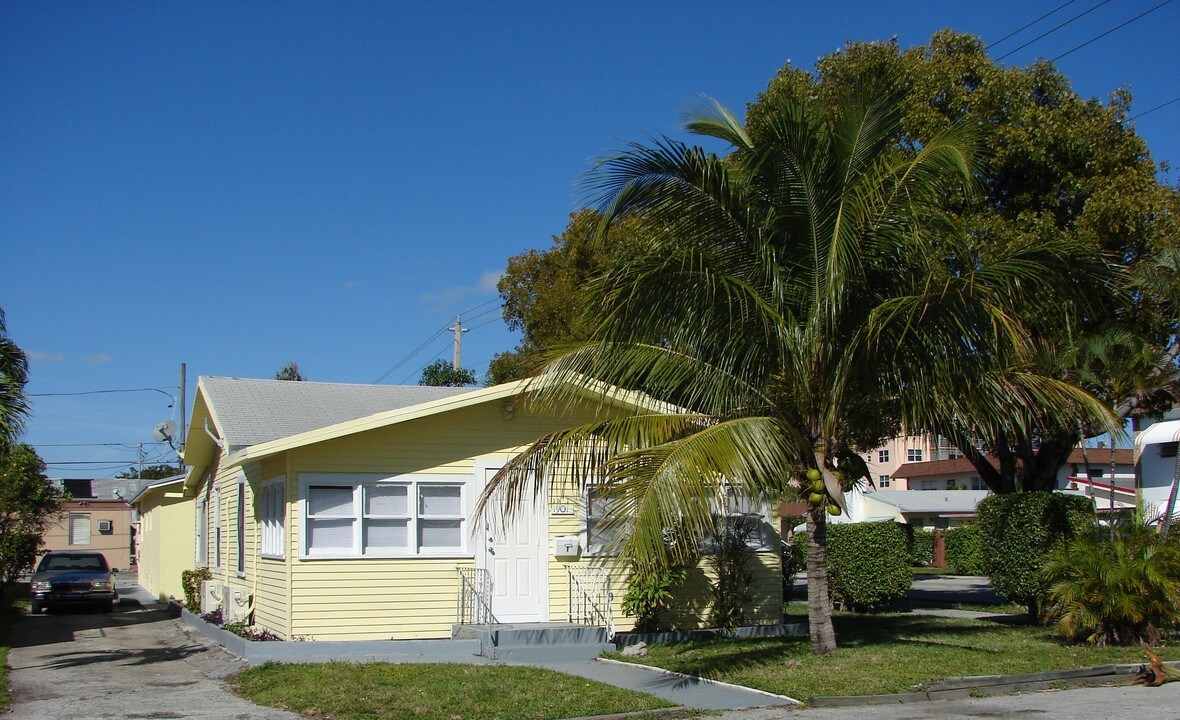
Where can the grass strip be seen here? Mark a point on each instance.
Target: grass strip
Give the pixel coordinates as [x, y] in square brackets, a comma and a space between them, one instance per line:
[433, 691]
[881, 654]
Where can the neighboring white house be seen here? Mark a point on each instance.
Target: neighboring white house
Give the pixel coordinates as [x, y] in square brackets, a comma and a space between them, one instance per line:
[1155, 456]
[929, 509]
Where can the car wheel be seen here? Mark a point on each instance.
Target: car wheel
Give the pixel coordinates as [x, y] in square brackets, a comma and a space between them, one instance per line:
[36, 608]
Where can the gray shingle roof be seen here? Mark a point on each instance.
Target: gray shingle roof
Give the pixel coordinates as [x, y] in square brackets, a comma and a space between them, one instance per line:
[930, 501]
[252, 411]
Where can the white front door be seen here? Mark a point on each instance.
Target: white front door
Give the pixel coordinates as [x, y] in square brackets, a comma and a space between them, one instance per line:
[517, 558]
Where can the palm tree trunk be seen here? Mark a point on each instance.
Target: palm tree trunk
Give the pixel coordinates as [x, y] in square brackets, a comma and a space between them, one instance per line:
[819, 604]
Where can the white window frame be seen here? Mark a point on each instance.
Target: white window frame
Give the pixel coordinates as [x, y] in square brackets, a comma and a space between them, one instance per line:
[883, 456]
[240, 527]
[272, 510]
[202, 544]
[603, 550]
[883, 481]
[74, 535]
[930, 485]
[359, 483]
[216, 539]
[913, 454]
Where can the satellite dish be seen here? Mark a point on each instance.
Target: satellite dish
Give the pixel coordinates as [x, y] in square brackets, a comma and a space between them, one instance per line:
[165, 431]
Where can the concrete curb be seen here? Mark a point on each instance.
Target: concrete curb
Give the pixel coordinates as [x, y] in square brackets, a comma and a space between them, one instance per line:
[255, 652]
[659, 712]
[989, 685]
[703, 681]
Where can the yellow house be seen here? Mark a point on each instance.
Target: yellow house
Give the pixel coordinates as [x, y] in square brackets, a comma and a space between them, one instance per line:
[165, 544]
[346, 512]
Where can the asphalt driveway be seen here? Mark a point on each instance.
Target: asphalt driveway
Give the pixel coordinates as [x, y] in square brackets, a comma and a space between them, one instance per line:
[131, 663]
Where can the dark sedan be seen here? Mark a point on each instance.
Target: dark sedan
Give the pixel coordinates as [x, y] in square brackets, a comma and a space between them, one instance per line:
[72, 578]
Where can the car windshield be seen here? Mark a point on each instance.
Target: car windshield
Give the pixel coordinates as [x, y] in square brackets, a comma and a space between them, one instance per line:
[72, 562]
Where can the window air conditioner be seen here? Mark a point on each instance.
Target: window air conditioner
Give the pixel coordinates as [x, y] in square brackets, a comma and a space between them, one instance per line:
[104, 525]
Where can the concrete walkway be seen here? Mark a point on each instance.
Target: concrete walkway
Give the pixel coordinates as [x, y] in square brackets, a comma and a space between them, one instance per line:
[691, 692]
[685, 690]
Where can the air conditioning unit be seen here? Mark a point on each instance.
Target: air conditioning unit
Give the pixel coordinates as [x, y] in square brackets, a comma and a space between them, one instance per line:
[104, 525]
[211, 595]
[237, 605]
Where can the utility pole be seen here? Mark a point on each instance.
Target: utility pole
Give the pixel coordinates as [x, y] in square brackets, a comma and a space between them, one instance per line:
[139, 462]
[457, 328]
[183, 403]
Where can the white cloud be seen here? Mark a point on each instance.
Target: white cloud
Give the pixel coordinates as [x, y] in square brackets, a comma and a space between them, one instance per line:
[42, 356]
[99, 359]
[448, 297]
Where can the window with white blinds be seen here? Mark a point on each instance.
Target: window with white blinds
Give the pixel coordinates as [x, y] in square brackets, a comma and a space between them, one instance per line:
[273, 512]
[79, 529]
[347, 516]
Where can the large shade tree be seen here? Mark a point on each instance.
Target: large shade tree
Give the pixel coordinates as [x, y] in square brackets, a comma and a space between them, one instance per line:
[1060, 167]
[802, 296]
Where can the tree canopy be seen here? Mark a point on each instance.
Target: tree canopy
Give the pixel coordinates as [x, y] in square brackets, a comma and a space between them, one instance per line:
[544, 291]
[441, 373]
[29, 503]
[1059, 168]
[291, 372]
[151, 472]
[1055, 167]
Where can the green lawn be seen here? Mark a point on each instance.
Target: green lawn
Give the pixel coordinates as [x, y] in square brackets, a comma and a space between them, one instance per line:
[886, 653]
[381, 691]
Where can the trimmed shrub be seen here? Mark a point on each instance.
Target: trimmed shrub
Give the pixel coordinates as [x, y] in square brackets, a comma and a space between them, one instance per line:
[868, 564]
[921, 544]
[1019, 530]
[190, 581]
[964, 549]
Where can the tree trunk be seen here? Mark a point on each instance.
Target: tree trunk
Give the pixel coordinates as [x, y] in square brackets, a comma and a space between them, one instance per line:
[819, 603]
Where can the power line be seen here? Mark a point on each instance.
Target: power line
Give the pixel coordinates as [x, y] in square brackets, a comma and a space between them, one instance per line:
[1157, 107]
[1116, 27]
[130, 446]
[1026, 26]
[1052, 30]
[432, 338]
[101, 392]
[413, 352]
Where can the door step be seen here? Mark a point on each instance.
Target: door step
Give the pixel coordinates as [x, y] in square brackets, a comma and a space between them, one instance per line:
[537, 642]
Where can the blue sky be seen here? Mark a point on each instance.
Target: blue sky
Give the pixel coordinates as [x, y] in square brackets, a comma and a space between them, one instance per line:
[236, 185]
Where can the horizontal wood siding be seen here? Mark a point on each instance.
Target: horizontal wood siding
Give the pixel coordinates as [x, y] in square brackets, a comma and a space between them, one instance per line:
[403, 598]
[375, 599]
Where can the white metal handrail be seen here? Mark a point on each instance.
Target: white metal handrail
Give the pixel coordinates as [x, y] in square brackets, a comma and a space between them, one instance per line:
[590, 598]
[475, 595]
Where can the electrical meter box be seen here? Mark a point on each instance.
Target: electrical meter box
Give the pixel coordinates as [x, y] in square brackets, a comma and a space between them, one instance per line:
[565, 546]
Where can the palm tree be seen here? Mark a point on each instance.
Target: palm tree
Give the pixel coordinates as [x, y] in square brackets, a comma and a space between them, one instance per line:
[14, 374]
[794, 302]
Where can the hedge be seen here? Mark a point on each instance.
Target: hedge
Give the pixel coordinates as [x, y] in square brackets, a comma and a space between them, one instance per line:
[868, 564]
[964, 549]
[921, 545]
[1019, 530]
